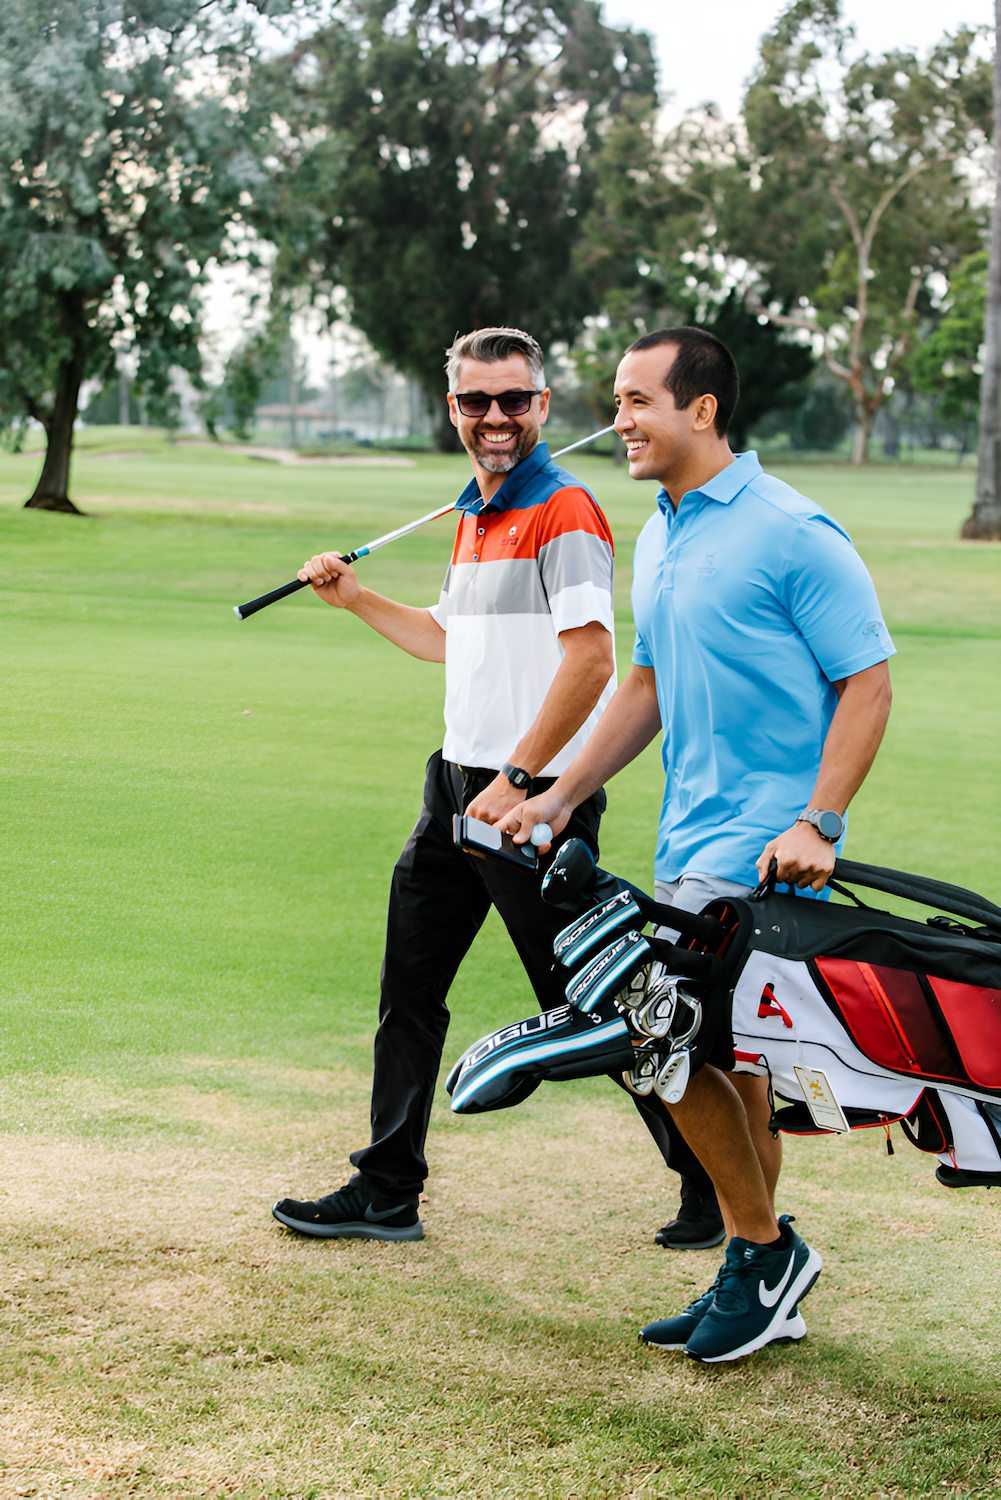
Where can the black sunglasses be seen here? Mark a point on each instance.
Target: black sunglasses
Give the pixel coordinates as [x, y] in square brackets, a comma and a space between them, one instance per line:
[511, 403]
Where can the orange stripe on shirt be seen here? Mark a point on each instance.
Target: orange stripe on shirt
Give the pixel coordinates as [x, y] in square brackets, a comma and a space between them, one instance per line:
[510, 534]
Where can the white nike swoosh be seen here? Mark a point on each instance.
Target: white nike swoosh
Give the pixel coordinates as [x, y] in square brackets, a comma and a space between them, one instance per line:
[769, 1298]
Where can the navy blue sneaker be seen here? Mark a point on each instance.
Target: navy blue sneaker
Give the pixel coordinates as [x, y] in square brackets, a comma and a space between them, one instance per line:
[756, 1300]
[355, 1212]
[674, 1333]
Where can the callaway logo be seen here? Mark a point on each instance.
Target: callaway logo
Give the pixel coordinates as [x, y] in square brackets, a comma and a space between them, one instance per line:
[769, 1006]
[769, 1298]
[384, 1213]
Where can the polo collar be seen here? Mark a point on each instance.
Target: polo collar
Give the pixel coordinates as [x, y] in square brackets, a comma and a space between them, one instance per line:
[724, 486]
[514, 482]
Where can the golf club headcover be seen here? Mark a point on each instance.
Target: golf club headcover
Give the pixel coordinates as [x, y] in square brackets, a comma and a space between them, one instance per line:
[596, 926]
[503, 1069]
[574, 882]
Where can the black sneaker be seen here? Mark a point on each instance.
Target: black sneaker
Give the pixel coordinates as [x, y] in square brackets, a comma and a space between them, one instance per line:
[355, 1212]
[699, 1223]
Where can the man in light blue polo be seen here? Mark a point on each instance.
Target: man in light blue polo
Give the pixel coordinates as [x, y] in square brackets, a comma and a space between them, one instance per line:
[761, 652]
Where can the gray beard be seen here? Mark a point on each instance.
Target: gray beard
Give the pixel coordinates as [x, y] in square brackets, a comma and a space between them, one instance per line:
[503, 463]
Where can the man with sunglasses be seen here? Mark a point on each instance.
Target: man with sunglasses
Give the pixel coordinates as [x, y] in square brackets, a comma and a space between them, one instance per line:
[524, 627]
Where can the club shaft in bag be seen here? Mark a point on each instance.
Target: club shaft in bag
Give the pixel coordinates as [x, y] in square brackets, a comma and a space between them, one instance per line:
[244, 611]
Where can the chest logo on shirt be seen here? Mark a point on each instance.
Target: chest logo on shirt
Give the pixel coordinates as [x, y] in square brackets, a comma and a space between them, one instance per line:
[511, 540]
[708, 567]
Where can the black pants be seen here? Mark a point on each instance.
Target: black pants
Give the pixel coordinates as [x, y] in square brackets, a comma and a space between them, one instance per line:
[438, 902]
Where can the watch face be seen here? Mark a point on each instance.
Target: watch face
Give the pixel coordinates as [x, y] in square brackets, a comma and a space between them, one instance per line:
[829, 825]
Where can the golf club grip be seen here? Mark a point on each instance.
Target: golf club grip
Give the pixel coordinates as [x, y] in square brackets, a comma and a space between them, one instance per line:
[251, 608]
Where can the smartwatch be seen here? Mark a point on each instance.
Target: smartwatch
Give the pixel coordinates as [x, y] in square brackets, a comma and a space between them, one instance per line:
[830, 825]
[518, 778]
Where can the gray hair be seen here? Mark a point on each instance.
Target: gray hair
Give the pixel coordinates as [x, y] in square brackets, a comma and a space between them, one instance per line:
[492, 344]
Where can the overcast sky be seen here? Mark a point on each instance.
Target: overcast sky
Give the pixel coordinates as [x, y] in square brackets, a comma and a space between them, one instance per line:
[707, 49]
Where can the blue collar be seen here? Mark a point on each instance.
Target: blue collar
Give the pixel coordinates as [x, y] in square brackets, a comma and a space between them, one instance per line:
[724, 486]
[512, 487]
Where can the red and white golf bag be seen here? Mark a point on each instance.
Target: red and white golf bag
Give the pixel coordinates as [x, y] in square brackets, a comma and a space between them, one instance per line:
[857, 1016]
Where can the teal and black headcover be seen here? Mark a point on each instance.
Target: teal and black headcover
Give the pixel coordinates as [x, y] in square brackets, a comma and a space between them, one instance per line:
[503, 1069]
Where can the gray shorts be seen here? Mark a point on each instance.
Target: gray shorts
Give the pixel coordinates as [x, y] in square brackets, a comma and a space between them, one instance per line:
[692, 892]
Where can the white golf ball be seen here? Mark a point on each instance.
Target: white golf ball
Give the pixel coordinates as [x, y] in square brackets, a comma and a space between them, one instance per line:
[541, 834]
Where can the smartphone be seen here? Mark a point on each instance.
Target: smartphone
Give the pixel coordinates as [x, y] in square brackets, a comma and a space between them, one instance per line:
[486, 841]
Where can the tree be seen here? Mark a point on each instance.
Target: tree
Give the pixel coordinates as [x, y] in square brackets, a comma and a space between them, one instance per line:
[646, 248]
[434, 159]
[985, 521]
[854, 190]
[773, 371]
[946, 364]
[123, 180]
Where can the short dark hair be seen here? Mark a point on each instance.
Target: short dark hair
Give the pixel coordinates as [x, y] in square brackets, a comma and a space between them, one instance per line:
[703, 366]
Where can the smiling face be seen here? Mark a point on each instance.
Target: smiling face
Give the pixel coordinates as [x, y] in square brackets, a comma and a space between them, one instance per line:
[663, 441]
[656, 433]
[495, 442]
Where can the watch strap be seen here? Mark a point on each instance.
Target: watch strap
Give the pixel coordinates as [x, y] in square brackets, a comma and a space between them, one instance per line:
[518, 778]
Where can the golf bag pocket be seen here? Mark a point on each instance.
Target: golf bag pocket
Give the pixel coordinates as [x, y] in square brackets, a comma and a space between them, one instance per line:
[914, 1023]
[781, 1022]
[902, 1018]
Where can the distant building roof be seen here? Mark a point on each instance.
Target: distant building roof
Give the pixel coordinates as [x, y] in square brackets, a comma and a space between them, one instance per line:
[282, 409]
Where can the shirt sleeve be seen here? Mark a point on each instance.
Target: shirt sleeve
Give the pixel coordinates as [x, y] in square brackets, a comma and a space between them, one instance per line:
[576, 561]
[832, 601]
[641, 656]
[439, 611]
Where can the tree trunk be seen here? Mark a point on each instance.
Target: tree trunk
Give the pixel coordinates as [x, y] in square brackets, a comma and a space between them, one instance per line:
[863, 432]
[446, 438]
[51, 491]
[984, 523]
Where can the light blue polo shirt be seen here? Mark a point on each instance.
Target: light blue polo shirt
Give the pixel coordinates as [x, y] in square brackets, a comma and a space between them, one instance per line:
[750, 602]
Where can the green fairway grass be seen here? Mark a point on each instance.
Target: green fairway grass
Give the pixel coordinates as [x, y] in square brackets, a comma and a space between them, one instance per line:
[200, 821]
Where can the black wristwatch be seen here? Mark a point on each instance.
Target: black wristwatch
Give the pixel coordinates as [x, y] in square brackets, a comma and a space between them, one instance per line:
[518, 778]
[830, 825]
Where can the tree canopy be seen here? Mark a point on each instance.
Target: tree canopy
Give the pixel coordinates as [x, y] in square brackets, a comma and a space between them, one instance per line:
[127, 167]
[855, 189]
[434, 162]
[829, 207]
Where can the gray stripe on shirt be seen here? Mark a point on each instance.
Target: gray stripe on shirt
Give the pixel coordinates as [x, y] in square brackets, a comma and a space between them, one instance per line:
[575, 557]
[501, 587]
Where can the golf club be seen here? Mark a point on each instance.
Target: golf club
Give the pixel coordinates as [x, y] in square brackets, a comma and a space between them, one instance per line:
[244, 611]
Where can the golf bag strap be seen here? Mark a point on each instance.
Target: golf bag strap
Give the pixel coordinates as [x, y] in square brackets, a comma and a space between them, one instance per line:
[953, 898]
[918, 888]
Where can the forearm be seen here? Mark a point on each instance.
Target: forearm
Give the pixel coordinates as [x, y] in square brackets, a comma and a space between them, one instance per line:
[629, 723]
[854, 737]
[413, 630]
[581, 678]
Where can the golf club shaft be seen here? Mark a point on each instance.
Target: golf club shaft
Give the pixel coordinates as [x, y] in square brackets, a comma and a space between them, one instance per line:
[244, 611]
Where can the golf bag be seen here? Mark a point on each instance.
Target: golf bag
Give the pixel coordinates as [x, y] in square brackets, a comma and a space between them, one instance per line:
[858, 1017]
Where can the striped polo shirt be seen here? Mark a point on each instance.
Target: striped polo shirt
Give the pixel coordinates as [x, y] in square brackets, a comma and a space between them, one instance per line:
[535, 560]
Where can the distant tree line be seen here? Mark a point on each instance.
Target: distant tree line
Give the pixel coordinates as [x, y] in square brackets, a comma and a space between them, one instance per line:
[430, 166]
